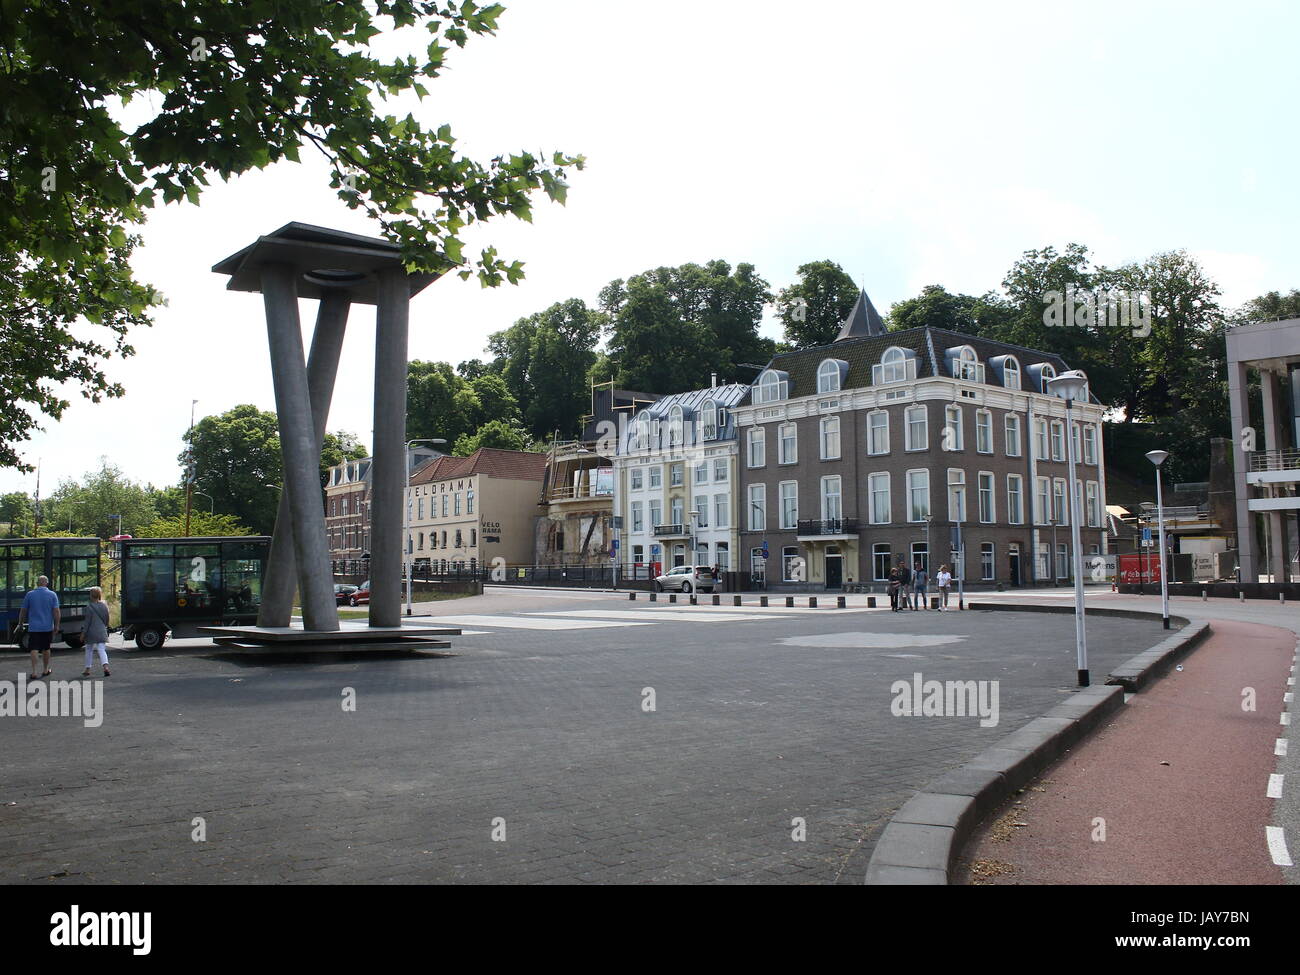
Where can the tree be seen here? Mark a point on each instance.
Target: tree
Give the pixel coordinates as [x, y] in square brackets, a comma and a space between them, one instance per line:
[814, 308]
[236, 87]
[439, 403]
[202, 524]
[544, 360]
[495, 433]
[237, 463]
[338, 447]
[986, 315]
[93, 506]
[16, 512]
[1269, 307]
[671, 329]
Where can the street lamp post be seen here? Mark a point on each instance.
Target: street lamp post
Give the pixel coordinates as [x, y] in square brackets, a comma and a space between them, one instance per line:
[212, 505]
[1158, 457]
[1070, 386]
[406, 514]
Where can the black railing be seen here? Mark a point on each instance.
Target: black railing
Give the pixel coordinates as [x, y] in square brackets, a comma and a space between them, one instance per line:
[829, 526]
[670, 531]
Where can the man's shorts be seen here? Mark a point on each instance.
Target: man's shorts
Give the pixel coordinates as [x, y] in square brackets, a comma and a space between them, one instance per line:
[39, 641]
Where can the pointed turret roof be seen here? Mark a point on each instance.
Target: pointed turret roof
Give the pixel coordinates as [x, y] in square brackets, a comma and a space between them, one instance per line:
[863, 320]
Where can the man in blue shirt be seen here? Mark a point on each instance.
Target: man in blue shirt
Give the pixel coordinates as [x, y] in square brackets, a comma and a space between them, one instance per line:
[41, 614]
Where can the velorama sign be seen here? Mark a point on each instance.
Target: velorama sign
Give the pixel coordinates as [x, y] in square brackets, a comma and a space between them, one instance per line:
[490, 531]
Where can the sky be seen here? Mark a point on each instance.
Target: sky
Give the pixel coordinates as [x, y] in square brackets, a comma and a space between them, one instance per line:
[915, 143]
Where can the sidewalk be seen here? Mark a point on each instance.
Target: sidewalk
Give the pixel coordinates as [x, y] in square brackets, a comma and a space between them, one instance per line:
[1179, 777]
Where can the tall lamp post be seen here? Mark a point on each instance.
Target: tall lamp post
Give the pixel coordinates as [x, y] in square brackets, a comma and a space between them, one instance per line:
[406, 513]
[1070, 386]
[212, 505]
[1158, 457]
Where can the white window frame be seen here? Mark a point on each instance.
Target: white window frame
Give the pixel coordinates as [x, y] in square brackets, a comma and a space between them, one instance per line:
[956, 490]
[984, 431]
[989, 494]
[1016, 490]
[832, 497]
[828, 376]
[829, 428]
[792, 456]
[1011, 373]
[872, 429]
[770, 388]
[792, 509]
[952, 420]
[874, 480]
[722, 510]
[757, 513]
[920, 410]
[1010, 423]
[720, 470]
[1089, 444]
[914, 476]
[757, 447]
[988, 561]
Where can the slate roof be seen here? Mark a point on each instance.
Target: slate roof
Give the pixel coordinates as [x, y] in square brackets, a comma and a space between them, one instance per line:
[519, 465]
[692, 403]
[929, 344]
[863, 320]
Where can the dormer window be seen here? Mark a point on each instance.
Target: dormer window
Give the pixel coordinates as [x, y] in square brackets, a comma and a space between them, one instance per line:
[642, 440]
[1011, 373]
[709, 420]
[830, 375]
[1046, 371]
[772, 387]
[964, 364]
[895, 366]
[675, 427]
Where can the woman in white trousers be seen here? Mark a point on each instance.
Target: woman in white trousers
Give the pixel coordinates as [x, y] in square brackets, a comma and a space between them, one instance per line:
[96, 632]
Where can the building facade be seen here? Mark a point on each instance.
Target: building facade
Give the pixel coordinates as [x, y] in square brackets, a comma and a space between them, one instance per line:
[883, 446]
[577, 500]
[347, 504]
[467, 512]
[1268, 451]
[675, 482]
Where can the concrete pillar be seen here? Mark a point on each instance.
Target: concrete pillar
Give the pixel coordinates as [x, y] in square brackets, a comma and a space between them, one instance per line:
[1240, 408]
[300, 449]
[322, 369]
[388, 470]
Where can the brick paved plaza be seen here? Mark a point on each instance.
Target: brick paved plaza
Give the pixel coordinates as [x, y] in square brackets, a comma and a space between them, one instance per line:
[536, 719]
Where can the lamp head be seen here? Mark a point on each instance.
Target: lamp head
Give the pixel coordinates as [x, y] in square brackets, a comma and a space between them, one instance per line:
[1069, 386]
[1157, 457]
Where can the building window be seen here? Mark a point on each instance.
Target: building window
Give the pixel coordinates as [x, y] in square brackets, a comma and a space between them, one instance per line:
[918, 428]
[722, 558]
[878, 433]
[720, 470]
[1011, 373]
[656, 477]
[710, 420]
[966, 366]
[676, 426]
[637, 524]
[830, 437]
[677, 511]
[721, 510]
[788, 452]
[638, 554]
[831, 507]
[473, 537]
[656, 511]
[702, 473]
[1040, 427]
[921, 554]
[984, 431]
[987, 512]
[772, 387]
[918, 495]
[469, 502]
[1012, 429]
[1043, 496]
[1015, 499]
[878, 485]
[1058, 440]
[789, 504]
[757, 564]
[1062, 561]
[1060, 514]
[636, 479]
[460, 539]
[828, 376]
[758, 507]
[1047, 373]
[702, 510]
[986, 561]
[881, 557]
[675, 475]
[791, 564]
[445, 501]
[456, 505]
[895, 366]
[956, 494]
[757, 446]
[1089, 444]
[952, 428]
[1094, 509]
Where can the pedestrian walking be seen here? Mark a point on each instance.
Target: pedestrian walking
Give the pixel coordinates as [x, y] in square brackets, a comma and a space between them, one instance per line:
[893, 590]
[40, 611]
[96, 633]
[905, 584]
[920, 580]
[943, 581]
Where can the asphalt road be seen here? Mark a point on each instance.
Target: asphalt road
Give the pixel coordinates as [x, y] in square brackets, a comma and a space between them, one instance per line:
[530, 754]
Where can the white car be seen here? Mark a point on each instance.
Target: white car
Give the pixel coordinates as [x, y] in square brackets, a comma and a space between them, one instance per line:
[686, 578]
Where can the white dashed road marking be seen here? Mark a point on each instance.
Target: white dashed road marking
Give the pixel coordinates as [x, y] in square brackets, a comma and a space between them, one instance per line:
[1277, 846]
[1279, 748]
[532, 622]
[1274, 786]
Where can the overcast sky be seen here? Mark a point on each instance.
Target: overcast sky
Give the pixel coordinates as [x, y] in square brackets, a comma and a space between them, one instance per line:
[914, 143]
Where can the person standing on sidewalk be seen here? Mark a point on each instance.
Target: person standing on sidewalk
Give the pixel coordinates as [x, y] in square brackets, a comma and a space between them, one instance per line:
[96, 634]
[920, 581]
[944, 583]
[41, 614]
[905, 584]
[893, 590]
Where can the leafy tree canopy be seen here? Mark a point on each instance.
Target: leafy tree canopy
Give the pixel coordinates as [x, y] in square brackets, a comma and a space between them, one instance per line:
[440, 404]
[814, 307]
[91, 506]
[495, 433]
[230, 87]
[201, 524]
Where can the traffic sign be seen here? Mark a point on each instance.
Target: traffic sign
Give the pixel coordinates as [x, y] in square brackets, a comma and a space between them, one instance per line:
[766, 554]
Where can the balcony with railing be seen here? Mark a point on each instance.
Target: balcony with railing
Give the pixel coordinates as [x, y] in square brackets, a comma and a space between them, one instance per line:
[579, 492]
[828, 526]
[671, 531]
[1274, 460]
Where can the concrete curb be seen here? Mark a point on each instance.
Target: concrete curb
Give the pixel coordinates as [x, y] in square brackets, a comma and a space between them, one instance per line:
[921, 843]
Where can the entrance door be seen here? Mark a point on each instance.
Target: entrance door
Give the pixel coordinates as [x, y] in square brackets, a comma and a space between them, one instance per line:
[1014, 550]
[834, 568]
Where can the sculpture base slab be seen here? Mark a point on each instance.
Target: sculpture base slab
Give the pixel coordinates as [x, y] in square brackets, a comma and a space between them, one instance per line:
[352, 637]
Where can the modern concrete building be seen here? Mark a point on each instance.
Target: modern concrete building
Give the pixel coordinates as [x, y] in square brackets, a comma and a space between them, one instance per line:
[871, 450]
[466, 512]
[1267, 458]
[577, 500]
[675, 480]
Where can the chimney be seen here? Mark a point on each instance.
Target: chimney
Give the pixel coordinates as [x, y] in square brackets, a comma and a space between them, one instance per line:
[714, 384]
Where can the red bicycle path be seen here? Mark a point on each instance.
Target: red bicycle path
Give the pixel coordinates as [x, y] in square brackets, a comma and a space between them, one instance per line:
[1178, 776]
